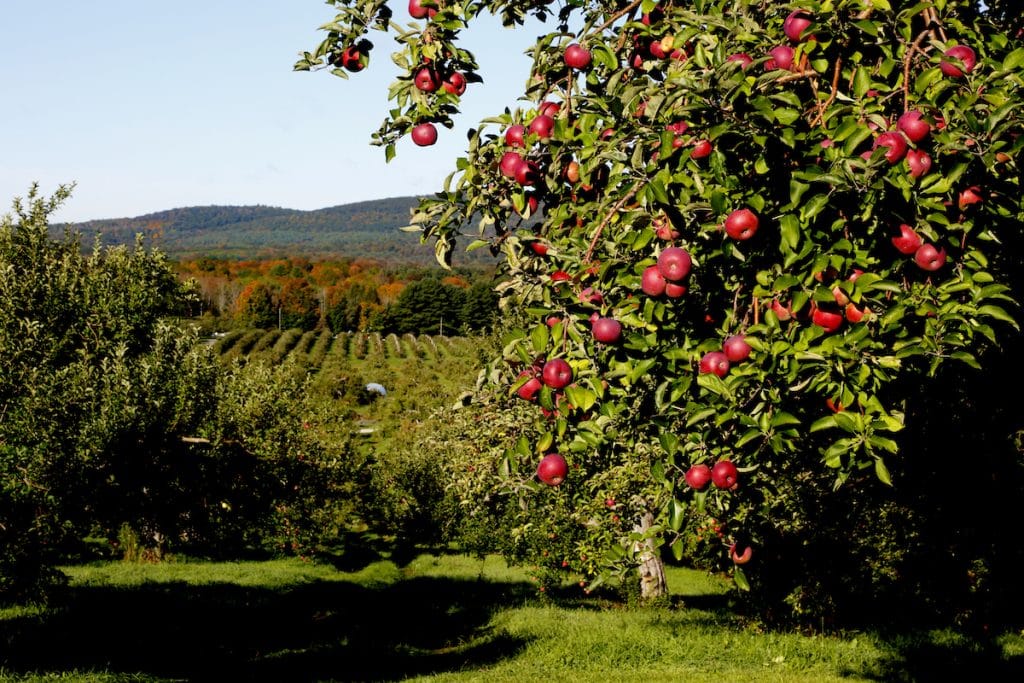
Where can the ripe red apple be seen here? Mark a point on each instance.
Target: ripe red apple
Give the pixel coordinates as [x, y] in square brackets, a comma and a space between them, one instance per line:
[514, 136]
[606, 330]
[796, 23]
[674, 290]
[919, 162]
[528, 391]
[426, 80]
[701, 150]
[549, 109]
[740, 558]
[853, 314]
[351, 59]
[560, 276]
[577, 57]
[780, 57]
[424, 134]
[557, 373]
[539, 248]
[908, 240]
[541, 126]
[741, 224]
[571, 173]
[927, 257]
[531, 205]
[552, 469]
[510, 163]
[783, 313]
[418, 11]
[715, 362]
[914, 126]
[674, 263]
[724, 474]
[591, 296]
[527, 173]
[698, 476]
[656, 50]
[895, 144]
[840, 296]
[664, 230]
[736, 348]
[972, 195]
[826, 318]
[965, 55]
[455, 84]
[742, 58]
[652, 282]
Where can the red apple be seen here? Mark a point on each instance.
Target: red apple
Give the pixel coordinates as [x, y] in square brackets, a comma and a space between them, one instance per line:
[742, 58]
[828, 319]
[853, 314]
[736, 348]
[698, 476]
[549, 109]
[674, 290]
[895, 144]
[606, 330]
[527, 173]
[577, 57]
[701, 150]
[652, 282]
[541, 126]
[914, 126]
[927, 257]
[560, 276]
[740, 558]
[840, 296]
[528, 391]
[455, 84]
[557, 373]
[552, 469]
[514, 136]
[591, 296]
[539, 248]
[780, 57]
[425, 134]
[783, 313]
[715, 362]
[674, 263]
[972, 195]
[918, 162]
[510, 163]
[724, 474]
[741, 224]
[908, 240]
[351, 59]
[965, 55]
[418, 11]
[425, 79]
[796, 23]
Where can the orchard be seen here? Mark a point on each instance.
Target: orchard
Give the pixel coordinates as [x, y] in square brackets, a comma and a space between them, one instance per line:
[767, 228]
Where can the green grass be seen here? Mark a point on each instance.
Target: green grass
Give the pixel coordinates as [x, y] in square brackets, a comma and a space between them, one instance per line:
[438, 618]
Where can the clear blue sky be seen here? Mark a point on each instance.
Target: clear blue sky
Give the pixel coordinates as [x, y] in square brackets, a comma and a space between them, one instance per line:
[155, 105]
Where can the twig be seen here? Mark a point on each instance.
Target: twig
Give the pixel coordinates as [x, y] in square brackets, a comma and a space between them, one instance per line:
[799, 75]
[618, 15]
[757, 310]
[914, 47]
[835, 91]
[606, 219]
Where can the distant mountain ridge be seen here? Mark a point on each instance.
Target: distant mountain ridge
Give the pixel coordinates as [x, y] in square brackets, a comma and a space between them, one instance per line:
[367, 229]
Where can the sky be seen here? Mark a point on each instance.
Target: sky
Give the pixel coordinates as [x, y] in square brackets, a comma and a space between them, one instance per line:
[147, 106]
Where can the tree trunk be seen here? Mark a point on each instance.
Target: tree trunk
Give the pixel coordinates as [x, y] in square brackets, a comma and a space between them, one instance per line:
[652, 571]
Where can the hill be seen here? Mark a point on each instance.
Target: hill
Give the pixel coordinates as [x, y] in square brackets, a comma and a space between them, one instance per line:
[368, 229]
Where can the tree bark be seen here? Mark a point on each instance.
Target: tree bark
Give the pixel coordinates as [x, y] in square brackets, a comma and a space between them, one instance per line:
[652, 570]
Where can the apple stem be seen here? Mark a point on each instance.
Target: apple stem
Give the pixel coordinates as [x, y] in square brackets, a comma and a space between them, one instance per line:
[608, 216]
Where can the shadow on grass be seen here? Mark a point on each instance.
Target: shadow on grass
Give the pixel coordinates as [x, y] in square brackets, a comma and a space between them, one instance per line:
[319, 631]
[943, 656]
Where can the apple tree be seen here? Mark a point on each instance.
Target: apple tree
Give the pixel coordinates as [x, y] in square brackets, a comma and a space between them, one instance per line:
[760, 229]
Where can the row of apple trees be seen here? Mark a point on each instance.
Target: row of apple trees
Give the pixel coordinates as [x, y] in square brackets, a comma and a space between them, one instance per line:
[117, 425]
[779, 240]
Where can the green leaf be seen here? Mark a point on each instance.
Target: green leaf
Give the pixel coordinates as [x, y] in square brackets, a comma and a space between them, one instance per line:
[882, 472]
[998, 313]
[1014, 59]
[741, 579]
[789, 226]
[677, 549]
[676, 514]
[827, 422]
[539, 338]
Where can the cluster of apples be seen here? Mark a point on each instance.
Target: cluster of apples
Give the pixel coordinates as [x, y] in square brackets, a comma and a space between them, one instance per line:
[723, 475]
[654, 47]
[668, 274]
[735, 349]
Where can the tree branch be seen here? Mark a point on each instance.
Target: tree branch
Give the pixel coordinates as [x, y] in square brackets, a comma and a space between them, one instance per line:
[600, 228]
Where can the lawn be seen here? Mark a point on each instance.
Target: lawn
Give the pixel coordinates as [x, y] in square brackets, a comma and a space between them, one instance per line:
[438, 618]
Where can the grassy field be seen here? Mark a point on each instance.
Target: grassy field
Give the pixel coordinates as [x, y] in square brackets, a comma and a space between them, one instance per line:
[438, 618]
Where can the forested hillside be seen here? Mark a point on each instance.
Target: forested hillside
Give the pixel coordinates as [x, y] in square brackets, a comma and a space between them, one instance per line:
[367, 229]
